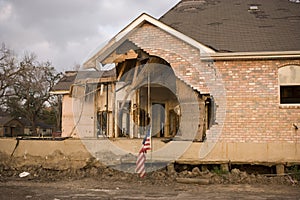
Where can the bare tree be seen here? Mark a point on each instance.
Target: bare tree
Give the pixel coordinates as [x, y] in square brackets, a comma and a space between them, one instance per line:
[8, 72]
[31, 89]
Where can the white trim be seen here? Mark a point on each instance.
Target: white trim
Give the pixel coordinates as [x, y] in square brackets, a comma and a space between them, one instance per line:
[207, 53]
[295, 105]
[252, 55]
[145, 17]
[289, 84]
[289, 104]
[60, 92]
[89, 63]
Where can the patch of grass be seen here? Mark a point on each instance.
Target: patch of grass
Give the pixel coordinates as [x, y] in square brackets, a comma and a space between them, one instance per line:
[218, 171]
[294, 171]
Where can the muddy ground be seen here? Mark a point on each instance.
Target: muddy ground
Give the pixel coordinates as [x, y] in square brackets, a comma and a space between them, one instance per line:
[95, 188]
[95, 181]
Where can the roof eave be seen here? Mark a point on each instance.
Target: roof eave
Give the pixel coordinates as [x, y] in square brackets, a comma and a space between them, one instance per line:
[252, 55]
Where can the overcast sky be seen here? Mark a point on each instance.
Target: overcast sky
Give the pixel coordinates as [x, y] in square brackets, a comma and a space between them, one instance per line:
[66, 31]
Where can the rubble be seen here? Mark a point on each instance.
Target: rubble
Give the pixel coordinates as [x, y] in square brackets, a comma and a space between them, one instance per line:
[60, 167]
[161, 176]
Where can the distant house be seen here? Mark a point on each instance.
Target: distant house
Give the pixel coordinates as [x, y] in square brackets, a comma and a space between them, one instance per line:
[216, 72]
[10, 127]
[13, 127]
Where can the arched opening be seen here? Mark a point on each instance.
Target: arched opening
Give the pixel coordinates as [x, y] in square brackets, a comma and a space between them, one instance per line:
[146, 98]
[148, 92]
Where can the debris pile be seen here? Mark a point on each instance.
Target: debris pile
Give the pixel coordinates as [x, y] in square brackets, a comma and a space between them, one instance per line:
[60, 167]
[163, 176]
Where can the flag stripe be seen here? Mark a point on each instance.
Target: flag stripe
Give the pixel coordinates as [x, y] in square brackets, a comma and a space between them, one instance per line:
[140, 164]
[141, 159]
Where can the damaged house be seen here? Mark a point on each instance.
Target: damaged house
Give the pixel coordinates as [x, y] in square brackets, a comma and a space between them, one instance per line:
[223, 74]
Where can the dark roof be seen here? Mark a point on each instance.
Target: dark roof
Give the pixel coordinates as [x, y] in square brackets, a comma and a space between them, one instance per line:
[65, 83]
[39, 123]
[5, 119]
[239, 25]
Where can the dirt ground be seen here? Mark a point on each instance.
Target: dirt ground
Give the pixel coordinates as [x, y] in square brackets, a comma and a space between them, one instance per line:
[59, 177]
[98, 182]
[94, 188]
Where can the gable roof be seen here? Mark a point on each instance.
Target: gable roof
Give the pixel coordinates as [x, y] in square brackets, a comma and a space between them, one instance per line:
[238, 25]
[138, 22]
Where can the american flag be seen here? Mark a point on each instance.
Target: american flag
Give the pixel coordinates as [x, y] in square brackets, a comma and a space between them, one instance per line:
[140, 162]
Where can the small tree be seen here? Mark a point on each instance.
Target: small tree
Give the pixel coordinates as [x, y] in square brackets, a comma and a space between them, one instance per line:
[31, 89]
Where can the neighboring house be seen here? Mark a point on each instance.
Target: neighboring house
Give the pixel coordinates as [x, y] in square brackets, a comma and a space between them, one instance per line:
[10, 127]
[42, 129]
[218, 72]
[13, 127]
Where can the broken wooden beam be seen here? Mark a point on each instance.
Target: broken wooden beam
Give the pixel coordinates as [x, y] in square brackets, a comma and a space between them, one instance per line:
[200, 181]
[118, 58]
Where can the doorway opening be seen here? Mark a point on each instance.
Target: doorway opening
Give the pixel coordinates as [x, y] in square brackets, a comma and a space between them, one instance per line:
[158, 119]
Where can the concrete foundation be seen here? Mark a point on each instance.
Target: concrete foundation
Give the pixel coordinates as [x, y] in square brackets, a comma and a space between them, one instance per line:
[270, 154]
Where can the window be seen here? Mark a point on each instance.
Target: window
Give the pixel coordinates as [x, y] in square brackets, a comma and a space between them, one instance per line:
[289, 80]
[289, 94]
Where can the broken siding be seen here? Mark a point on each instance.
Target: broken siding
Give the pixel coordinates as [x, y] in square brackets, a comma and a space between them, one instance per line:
[190, 112]
[68, 119]
[105, 106]
[185, 61]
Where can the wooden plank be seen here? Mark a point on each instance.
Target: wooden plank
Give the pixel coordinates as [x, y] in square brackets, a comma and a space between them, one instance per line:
[135, 74]
[118, 58]
[121, 71]
[200, 181]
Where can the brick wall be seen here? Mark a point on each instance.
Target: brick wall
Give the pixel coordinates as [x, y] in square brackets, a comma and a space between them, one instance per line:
[246, 92]
[254, 113]
[180, 55]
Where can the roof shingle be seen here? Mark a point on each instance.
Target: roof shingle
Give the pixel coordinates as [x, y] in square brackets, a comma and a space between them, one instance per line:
[238, 25]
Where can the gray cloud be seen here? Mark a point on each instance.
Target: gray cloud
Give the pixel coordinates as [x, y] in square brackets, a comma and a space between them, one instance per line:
[66, 31]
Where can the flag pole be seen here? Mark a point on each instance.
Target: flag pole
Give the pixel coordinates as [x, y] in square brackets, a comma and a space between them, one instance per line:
[150, 121]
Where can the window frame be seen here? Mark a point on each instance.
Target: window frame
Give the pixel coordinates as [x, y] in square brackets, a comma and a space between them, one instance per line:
[280, 85]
